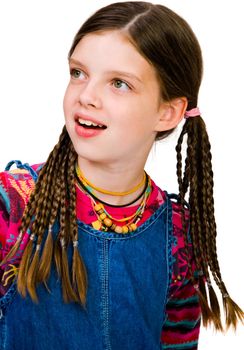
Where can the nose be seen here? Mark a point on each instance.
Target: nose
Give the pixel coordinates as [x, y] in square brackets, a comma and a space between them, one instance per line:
[90, 95]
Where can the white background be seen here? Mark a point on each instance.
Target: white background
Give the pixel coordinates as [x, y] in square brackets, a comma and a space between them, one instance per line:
[35, 37]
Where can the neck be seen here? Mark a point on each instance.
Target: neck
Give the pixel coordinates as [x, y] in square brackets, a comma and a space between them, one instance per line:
[114, 178]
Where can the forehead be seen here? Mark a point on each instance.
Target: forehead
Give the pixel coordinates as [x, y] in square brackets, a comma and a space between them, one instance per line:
[114, 50]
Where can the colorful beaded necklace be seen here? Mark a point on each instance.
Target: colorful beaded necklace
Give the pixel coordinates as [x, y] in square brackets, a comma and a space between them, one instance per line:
[105, 221]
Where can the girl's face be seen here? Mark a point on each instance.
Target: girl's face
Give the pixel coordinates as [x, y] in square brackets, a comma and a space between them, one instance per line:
[113, 85]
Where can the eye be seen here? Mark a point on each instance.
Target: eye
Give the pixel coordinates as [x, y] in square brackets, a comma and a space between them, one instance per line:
[75, 73]
[118, 83]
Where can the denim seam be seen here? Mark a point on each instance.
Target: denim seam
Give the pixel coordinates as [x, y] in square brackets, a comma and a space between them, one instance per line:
[103, 286]
[3, 329]
[105, 291]
[9, 296]
[127, 236]
[168, 250]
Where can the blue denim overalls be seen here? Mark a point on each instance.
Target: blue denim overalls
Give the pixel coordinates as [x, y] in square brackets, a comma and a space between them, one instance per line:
[128, 281]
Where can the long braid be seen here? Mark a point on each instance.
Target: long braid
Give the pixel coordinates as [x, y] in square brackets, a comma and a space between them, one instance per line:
[183, 182]
[199, 178]
[192, 175]
[36, 204]
[63, 238]
[200, 217]
[51, 211]
[38, 229]
[209, 221]
[232, 310]
[49, 196]
[79, 275]
[26, 218]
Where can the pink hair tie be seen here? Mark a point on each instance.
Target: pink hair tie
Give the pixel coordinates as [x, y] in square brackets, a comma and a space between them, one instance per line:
[194, 112]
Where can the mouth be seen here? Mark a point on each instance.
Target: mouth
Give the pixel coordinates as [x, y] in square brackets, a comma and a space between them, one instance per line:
[87, 124]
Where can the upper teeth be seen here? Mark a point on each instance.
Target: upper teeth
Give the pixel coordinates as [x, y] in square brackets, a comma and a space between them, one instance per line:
[89, 123]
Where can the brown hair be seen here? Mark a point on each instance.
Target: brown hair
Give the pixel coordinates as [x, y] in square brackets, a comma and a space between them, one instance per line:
[169, 44]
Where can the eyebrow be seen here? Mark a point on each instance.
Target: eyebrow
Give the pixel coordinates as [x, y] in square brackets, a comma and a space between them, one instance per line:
[126, 74]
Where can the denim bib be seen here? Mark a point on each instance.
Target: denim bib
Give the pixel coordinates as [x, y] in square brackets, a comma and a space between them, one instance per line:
[128, 280]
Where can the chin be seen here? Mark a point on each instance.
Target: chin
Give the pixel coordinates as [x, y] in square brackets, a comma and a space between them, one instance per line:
[86, 152]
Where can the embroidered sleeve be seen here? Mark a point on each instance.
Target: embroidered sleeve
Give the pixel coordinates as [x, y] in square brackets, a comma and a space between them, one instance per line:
[15, 189]
[183, 314]
[4, 220]
[4, 212]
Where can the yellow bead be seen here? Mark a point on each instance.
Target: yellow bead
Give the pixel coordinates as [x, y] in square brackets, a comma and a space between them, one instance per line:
[97, 225]
[125, 229]
[133, 226]
[107, 222]
[98, 207]
[102, 216]
[118, 229]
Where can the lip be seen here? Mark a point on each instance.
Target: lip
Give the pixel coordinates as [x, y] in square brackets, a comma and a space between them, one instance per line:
[87, 117]
[87, 133]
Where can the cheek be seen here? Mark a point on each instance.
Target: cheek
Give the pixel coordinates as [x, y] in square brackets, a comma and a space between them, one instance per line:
[67, 100]
[141, 115]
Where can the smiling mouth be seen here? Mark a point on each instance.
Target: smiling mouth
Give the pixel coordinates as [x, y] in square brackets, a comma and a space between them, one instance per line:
[90, 125]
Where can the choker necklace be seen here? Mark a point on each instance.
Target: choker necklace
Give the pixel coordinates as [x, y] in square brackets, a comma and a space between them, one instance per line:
[80, 184]
[89, 184]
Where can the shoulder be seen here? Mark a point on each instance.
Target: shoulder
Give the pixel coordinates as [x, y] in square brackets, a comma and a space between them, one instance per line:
[181, 246]
[17, 184]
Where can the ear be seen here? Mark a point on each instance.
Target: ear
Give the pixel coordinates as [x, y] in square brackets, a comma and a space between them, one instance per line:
[171, 113]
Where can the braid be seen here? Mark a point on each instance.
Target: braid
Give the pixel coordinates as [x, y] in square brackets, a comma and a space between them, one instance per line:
[26, 218]
[43, 213]
[52, 208]
[28, 275]
[209, 223]
[47, 202]
[79, 276]
[63, 237]
[198, 176]
[190, 173]
[198, 221]
[232, 311]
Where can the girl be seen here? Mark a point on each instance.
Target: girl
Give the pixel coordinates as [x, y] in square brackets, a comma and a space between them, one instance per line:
[94, 254]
